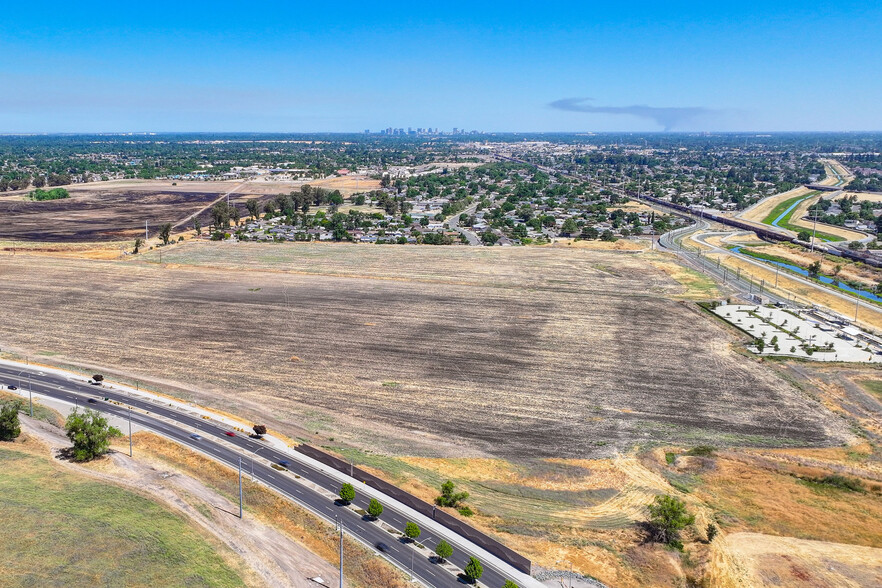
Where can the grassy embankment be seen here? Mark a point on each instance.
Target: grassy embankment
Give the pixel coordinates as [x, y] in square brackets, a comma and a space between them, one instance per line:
[785, 223]
[71, 531]
[778, 259]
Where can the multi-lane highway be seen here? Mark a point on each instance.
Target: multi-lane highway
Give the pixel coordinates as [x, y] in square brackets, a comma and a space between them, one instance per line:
[229, 450]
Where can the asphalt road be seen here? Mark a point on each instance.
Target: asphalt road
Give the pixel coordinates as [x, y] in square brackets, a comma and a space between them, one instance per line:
[216, 443]
[453, 223]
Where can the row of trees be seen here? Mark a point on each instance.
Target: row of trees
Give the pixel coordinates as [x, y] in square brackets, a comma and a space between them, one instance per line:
[449, 497]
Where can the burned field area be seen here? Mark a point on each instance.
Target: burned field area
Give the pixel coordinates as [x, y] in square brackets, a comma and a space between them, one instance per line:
[102, 215]
[525, 352]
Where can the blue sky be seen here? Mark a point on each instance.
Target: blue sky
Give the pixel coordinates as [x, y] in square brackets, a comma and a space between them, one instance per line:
[311, 66]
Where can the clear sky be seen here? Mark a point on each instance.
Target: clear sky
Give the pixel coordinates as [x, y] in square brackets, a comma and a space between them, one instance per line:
[502, 66]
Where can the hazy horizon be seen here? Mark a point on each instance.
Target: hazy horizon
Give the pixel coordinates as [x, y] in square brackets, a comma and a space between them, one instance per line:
[570, 67]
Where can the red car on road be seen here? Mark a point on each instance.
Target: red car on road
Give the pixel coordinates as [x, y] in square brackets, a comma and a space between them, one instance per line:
[230, 434]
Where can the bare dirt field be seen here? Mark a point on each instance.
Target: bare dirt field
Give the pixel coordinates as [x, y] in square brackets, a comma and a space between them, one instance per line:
[521, 353]
[117, 210]
[96, 216]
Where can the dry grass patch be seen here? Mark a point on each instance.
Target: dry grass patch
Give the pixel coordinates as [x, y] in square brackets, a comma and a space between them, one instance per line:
[790, 563]
[746, 497]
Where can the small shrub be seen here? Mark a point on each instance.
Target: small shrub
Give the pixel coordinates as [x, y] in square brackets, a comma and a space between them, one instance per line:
[841, 482]
[466, 511]
[701, 450]
[712, 531]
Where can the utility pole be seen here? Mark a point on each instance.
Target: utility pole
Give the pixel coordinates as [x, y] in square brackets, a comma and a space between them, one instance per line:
[31, 397]
[146, 234]
[240, 487]
[341, 554]
[815, 226]
[777, 267]
[130, 430]
[857, 304]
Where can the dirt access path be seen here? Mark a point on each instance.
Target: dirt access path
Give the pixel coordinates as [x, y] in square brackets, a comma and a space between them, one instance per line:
[273, 558]
[208, 206]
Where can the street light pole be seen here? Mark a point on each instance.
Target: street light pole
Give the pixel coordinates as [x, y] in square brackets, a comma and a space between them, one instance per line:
[240, 487]
[31, 396]
[130, 430]
[341, 554]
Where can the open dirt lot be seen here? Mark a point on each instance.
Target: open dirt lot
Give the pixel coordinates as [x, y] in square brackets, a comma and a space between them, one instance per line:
[871, 196]
[521, 353]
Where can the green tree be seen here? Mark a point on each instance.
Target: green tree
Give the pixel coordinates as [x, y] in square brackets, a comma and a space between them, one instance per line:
[804, 236]
[90, 434]
[165, 233]
[569, 227]
[197, 226]
[449, 497]
[138, 243]
[814, 269]
[347, 493]
[489, 238]
[253, 207]
[411, 531]
[10, 428]
[259, 430]
[443, 550]
[590, 233]
[375, 509]
[473, 570]
[510, 584]
[220, 214]
[668, 516]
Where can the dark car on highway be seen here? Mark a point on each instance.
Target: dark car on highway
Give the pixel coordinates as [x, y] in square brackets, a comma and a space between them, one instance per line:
[284, 463]
[382, 547]
[196, 436]
[12, 387]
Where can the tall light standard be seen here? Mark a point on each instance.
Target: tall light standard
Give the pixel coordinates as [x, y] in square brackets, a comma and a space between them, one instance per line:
[30, 394]
[341, 554]
[815, 226]
[240, 487]
[130, 430]
[252, 462]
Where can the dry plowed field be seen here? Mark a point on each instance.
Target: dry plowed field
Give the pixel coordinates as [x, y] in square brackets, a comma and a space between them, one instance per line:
[519, 352]
[96, 215]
